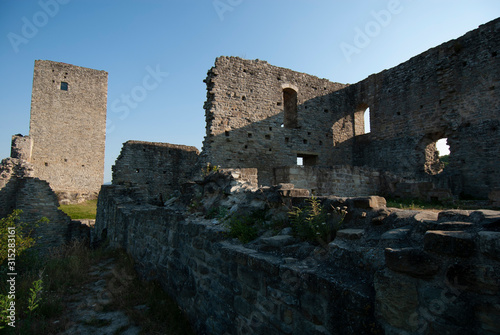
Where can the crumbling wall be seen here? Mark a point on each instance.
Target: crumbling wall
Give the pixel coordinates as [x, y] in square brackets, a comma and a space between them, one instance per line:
[160, 168]
[342, 181]
[450, 91]
[21, 147]
[250, 125]
[387, 271]
[68, 126]
[36, 200]
[11, 171]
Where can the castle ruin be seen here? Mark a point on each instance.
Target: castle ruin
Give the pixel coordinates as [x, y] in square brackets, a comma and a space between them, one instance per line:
[62, 158]
[67, 134]
[265, 117]
[387, 270]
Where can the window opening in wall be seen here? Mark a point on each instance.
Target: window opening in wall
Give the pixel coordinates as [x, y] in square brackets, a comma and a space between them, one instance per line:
[307, 159]
[362, 122]
[64, 86]
[290, 108]
[366, 119]
[437, 155]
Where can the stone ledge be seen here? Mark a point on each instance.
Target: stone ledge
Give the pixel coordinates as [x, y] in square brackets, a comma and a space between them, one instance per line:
[451, 243]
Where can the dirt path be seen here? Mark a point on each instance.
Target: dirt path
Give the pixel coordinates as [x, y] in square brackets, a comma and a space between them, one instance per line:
[89, 311]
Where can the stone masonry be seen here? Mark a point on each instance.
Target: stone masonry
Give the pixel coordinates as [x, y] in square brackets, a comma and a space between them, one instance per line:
[388, 271]
[68, 126]
[262, 116]
[246, 122]
[159, 168]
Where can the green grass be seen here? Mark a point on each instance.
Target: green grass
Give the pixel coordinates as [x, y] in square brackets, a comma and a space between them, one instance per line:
[85, 210]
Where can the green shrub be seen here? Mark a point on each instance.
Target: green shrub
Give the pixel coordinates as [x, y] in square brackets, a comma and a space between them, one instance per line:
[314, 224]
[217, 213]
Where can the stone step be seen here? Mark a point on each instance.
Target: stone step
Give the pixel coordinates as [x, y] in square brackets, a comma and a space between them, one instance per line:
[451, 243]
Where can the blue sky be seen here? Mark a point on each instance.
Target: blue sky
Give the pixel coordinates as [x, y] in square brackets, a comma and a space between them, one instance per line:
[181, 39]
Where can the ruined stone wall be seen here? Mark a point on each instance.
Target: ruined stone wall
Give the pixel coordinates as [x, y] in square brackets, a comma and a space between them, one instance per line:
[450, 91]
[36, 200]
[160, 168]
[21, 147]
[387, 270]
[341, 181]
[11, 171]
[246, 122]
[227, 288]
[68, 126]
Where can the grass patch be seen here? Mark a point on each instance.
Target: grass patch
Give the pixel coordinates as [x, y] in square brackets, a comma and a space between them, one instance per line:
[85, 210]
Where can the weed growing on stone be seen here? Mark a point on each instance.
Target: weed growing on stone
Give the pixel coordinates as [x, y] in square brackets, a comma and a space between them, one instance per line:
[243, 228]
[217, 213]
[314, 224]
[209, 168]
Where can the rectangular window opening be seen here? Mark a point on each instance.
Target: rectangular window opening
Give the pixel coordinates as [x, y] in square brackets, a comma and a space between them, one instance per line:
[307, 159]
[64, 86]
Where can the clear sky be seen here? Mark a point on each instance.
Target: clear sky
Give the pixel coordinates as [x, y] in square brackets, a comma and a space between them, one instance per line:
[180, 39]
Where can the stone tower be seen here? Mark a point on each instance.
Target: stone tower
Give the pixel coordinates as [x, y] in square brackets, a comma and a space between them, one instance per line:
[68, 127]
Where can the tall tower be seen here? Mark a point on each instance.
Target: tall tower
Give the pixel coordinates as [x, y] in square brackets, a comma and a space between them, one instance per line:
[68, 126]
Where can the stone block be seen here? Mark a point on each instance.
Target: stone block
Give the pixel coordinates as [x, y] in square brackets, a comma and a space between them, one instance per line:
[489, 244]
[396, 299]
[395, 234]
[451, 243]
[494, 197]
[454, 215]
[373, 202]
[489, 318]
[454, 225]
[279, 241]
[350, 234]
[412, 261]
[295, 193]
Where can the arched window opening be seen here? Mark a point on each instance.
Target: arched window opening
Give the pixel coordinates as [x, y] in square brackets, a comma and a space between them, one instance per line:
[290, 108]
[437, 156]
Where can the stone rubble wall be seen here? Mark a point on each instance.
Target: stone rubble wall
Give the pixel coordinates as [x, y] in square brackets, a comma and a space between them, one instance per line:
[355, 181]
[450, 91]
[68, 127]
[245, 116]
[387, 271]
[21, 147]
[11, 170]
[341, 181]
[37, 200]
[159, 167]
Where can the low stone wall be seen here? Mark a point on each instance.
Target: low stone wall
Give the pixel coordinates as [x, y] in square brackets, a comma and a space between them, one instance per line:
[342, 181]
[355, 181]
[225, 287]
[387, 271]
[36, 200]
